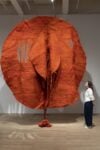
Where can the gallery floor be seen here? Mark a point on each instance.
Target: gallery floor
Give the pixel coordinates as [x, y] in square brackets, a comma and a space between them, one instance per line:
[21, 132]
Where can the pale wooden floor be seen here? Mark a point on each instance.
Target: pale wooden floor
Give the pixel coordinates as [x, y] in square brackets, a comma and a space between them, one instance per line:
[67, 133]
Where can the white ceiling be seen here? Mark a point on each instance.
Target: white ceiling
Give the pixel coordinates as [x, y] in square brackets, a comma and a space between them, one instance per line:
[46, 7]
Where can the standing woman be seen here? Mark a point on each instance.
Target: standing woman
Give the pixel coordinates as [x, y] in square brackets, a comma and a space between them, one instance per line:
[88, 104]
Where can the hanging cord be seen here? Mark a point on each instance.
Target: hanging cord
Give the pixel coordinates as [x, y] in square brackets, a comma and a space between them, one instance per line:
[77, 4]
[53, 6]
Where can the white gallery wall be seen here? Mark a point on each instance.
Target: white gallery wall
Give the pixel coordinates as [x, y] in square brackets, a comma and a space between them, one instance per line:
[88, 27]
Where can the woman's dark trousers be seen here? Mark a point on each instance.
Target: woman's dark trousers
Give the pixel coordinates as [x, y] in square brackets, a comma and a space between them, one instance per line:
[88, 113]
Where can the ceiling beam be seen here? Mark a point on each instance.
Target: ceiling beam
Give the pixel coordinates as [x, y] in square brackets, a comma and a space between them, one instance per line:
[42, 1]
[17, 7]
[3, 4]
[65, 6]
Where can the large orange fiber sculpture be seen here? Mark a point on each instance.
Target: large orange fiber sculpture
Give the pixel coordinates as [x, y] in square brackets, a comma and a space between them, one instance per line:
[43, 62]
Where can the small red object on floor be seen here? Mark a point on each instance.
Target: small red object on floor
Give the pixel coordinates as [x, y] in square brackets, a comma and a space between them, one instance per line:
[44, 123]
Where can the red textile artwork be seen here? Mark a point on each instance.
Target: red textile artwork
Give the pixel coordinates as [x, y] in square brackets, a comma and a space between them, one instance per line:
[43, 62]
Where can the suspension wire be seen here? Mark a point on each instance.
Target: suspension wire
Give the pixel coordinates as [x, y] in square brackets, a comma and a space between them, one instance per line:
[53, 6]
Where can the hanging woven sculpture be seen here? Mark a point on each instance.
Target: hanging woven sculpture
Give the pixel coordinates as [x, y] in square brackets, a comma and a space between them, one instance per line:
[43, 63]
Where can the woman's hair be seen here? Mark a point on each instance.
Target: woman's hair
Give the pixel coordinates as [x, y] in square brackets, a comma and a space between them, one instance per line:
[90, 85]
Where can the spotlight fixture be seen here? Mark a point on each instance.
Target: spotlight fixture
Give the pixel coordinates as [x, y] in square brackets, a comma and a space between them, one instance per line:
[52, 1]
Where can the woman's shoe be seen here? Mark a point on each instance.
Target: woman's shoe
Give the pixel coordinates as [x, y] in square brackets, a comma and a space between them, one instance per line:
[86, 127]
